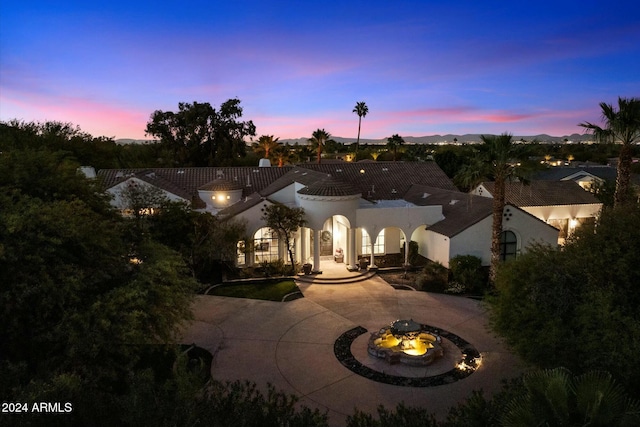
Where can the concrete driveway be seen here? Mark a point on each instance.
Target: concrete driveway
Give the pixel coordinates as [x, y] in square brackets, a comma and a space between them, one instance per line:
[290, 345]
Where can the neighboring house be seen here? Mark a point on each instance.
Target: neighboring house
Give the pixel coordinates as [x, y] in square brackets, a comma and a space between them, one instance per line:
[357, 210]
[586, 177]
[562, 204]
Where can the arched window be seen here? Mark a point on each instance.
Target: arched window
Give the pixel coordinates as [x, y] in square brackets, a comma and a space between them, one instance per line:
[378, 248]
[508, 245]
[265, 245]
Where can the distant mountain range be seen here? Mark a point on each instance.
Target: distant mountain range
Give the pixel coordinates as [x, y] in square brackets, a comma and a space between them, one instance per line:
[460, 139]
[432, 139]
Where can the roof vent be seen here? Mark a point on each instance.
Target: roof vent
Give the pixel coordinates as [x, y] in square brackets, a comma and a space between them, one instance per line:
[425, 195]
[256, 171]
[338, 170]
[453, 202]
[393, 191]
[385, 169]
[181, 171]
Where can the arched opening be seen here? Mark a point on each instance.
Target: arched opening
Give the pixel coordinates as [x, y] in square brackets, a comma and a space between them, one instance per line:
[508, 245]
[265, 245]
[334, 243]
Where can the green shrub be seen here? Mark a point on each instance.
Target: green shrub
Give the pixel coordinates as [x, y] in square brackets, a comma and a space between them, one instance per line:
[434, 278]
[466, 270]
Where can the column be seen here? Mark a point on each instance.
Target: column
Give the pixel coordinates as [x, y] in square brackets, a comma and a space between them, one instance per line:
[303, 245]
[372, 262]
[406, 251]
[316, 251]
[352, 251]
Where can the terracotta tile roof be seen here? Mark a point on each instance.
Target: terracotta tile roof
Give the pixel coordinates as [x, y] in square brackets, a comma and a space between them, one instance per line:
[559, 173]
[385, 180]
[374, 180]
[221, 184]
[545, 193]
[460, 210]
[294, 174]
[250, 178]
[330, 186]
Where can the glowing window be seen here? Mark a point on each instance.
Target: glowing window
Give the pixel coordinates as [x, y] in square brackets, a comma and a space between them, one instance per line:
[378, 248]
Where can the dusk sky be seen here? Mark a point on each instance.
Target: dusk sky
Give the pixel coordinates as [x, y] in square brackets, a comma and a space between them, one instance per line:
[422, 67]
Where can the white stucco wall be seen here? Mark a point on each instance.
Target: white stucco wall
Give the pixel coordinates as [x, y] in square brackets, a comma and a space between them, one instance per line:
[528, 229]
[433, 246]
[253, 217]
[318, 208]
[374, 219]
[475, 240]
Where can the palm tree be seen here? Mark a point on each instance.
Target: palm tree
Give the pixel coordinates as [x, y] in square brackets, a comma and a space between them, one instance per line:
[557, 397]
[361, 110]
[621, 126]
[393, 143]
[498, 151]
[265, 146]
[282, 154]
[318, 139]
[470, 175]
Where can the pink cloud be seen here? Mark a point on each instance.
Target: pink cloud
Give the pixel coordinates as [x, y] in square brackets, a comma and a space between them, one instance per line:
[95, 118]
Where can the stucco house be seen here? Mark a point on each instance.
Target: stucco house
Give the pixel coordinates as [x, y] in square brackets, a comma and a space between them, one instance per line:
[562, 204]
[353, 210]
[585, 176]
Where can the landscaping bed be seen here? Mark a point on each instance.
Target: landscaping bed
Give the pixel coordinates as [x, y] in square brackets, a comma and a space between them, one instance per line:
[270, 289]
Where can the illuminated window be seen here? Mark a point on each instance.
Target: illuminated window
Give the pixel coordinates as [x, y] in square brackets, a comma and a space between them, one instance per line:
[378, 248]
[265, 245]
[508, 245]
[241, 256]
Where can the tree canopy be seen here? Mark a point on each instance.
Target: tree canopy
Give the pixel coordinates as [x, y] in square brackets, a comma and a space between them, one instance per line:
[75, 303]
[576, 306]
[200, 135]
[285, 221]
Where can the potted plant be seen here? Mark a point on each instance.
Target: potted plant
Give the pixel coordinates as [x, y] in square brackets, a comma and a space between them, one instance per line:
[306, 268]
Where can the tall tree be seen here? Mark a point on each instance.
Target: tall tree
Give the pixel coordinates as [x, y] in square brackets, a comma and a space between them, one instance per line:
[498, 151]
[72, 303]
[318, 139]
[361, 110]
[266, 146]
[200, 135]
[393, 143]
[621, 126]
[285, 221]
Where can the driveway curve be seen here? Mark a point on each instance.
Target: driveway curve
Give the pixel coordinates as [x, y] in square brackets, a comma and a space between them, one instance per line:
[291, 345]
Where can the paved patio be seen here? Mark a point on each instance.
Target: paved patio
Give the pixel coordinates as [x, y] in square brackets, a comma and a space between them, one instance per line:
[290, 345]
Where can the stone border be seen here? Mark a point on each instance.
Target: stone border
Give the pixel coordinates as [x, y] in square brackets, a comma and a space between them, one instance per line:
[468, 363]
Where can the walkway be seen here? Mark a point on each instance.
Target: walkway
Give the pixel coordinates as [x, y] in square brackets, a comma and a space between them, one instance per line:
[291, 345]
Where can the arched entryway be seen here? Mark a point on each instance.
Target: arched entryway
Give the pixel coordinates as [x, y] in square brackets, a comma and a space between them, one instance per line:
[336, 243]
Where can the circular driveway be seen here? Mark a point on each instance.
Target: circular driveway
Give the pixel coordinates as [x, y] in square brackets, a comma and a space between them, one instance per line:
[291, 345]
